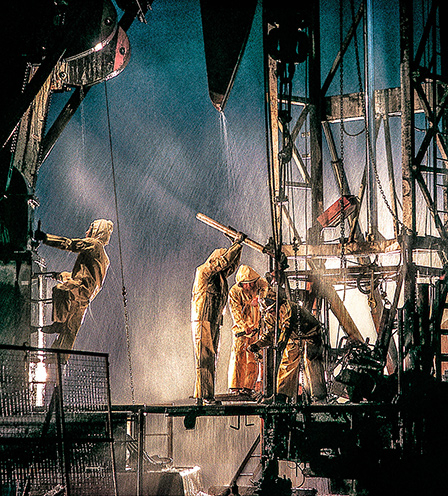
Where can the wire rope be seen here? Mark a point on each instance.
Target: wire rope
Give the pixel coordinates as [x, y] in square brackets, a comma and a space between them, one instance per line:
[124, 292]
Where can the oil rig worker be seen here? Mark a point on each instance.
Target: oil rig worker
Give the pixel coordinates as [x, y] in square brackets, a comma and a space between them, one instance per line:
[78, 288]
[209, 298]
[244, 298]
[299, 338]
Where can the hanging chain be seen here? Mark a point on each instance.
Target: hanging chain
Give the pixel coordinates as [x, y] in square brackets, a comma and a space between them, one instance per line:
[128, 342]
[368, 135]
[342, 233]
[301, 354]
[295, 245]
[383, 294]
[341, 136]
[124, 293]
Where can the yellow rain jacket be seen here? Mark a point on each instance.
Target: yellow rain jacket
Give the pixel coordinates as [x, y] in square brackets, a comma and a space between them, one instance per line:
[209, 297]
[299, 338]
[78, 288]
[243, 367]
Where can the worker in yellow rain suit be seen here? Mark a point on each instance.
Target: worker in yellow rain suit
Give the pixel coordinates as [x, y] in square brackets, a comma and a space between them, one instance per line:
[299, 339]
[244, 308]
[78, 288]
[209, 298]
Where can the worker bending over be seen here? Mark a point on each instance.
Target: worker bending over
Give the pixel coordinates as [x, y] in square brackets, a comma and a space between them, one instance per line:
[244, 298]
[299, 339]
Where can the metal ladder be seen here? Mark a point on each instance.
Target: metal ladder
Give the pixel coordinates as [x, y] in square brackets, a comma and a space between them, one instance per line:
[244, 465]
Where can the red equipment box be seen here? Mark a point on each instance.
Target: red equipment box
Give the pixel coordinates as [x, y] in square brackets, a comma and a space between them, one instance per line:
[332, 216]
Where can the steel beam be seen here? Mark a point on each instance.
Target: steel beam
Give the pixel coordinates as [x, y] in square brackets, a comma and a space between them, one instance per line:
[407, 146]
[315, 118]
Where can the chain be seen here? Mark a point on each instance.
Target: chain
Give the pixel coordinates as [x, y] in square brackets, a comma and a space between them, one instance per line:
[341, 159]
[341, 85]
[128, 343]
[341, 135]
[301, 354]
[295, 245]
[342, 232]
[368, 137]
[383, 294]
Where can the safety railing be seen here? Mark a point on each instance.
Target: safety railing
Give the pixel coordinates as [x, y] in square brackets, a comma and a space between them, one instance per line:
[55, 422]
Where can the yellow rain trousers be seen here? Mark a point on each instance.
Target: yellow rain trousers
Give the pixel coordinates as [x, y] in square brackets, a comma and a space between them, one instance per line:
[78, 288]
[304, 345]
[243, 367]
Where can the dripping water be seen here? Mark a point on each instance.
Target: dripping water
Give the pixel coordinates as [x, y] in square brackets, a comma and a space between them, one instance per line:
[228, 150]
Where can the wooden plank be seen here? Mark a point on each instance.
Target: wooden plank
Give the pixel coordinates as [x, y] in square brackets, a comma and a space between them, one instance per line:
[387, 102]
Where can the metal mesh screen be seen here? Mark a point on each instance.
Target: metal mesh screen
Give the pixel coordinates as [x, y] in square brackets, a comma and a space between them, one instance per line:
[55, 422]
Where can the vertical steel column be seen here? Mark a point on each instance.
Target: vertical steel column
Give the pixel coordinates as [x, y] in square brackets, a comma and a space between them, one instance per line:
[315, 116]
[407, 114]
[272, 133]
[110, 431]
[140, 449]
[443, 35]
[372, 211]
[60, 424]
[407, 148]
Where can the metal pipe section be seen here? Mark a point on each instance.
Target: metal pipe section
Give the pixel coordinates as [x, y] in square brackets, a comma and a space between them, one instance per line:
[407, 149]
[110, 429]
[315, 119]
[372, 212]
[407, 117]
[140, 449]
[60, 425]
[400, 369]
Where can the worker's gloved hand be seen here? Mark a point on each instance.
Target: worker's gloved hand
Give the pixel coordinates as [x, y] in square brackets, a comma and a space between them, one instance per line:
[251, 332]
[39, 235]
[240, 237]
[253, 348]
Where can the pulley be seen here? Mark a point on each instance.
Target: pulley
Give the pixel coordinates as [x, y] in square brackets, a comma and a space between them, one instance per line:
[288, 45]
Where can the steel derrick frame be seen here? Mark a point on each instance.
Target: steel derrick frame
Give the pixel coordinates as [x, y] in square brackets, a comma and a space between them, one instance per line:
[410, 98]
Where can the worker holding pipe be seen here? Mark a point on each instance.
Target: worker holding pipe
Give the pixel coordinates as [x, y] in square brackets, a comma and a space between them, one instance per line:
[209, 298]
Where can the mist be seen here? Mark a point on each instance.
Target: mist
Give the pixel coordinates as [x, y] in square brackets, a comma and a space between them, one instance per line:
[173, 155]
